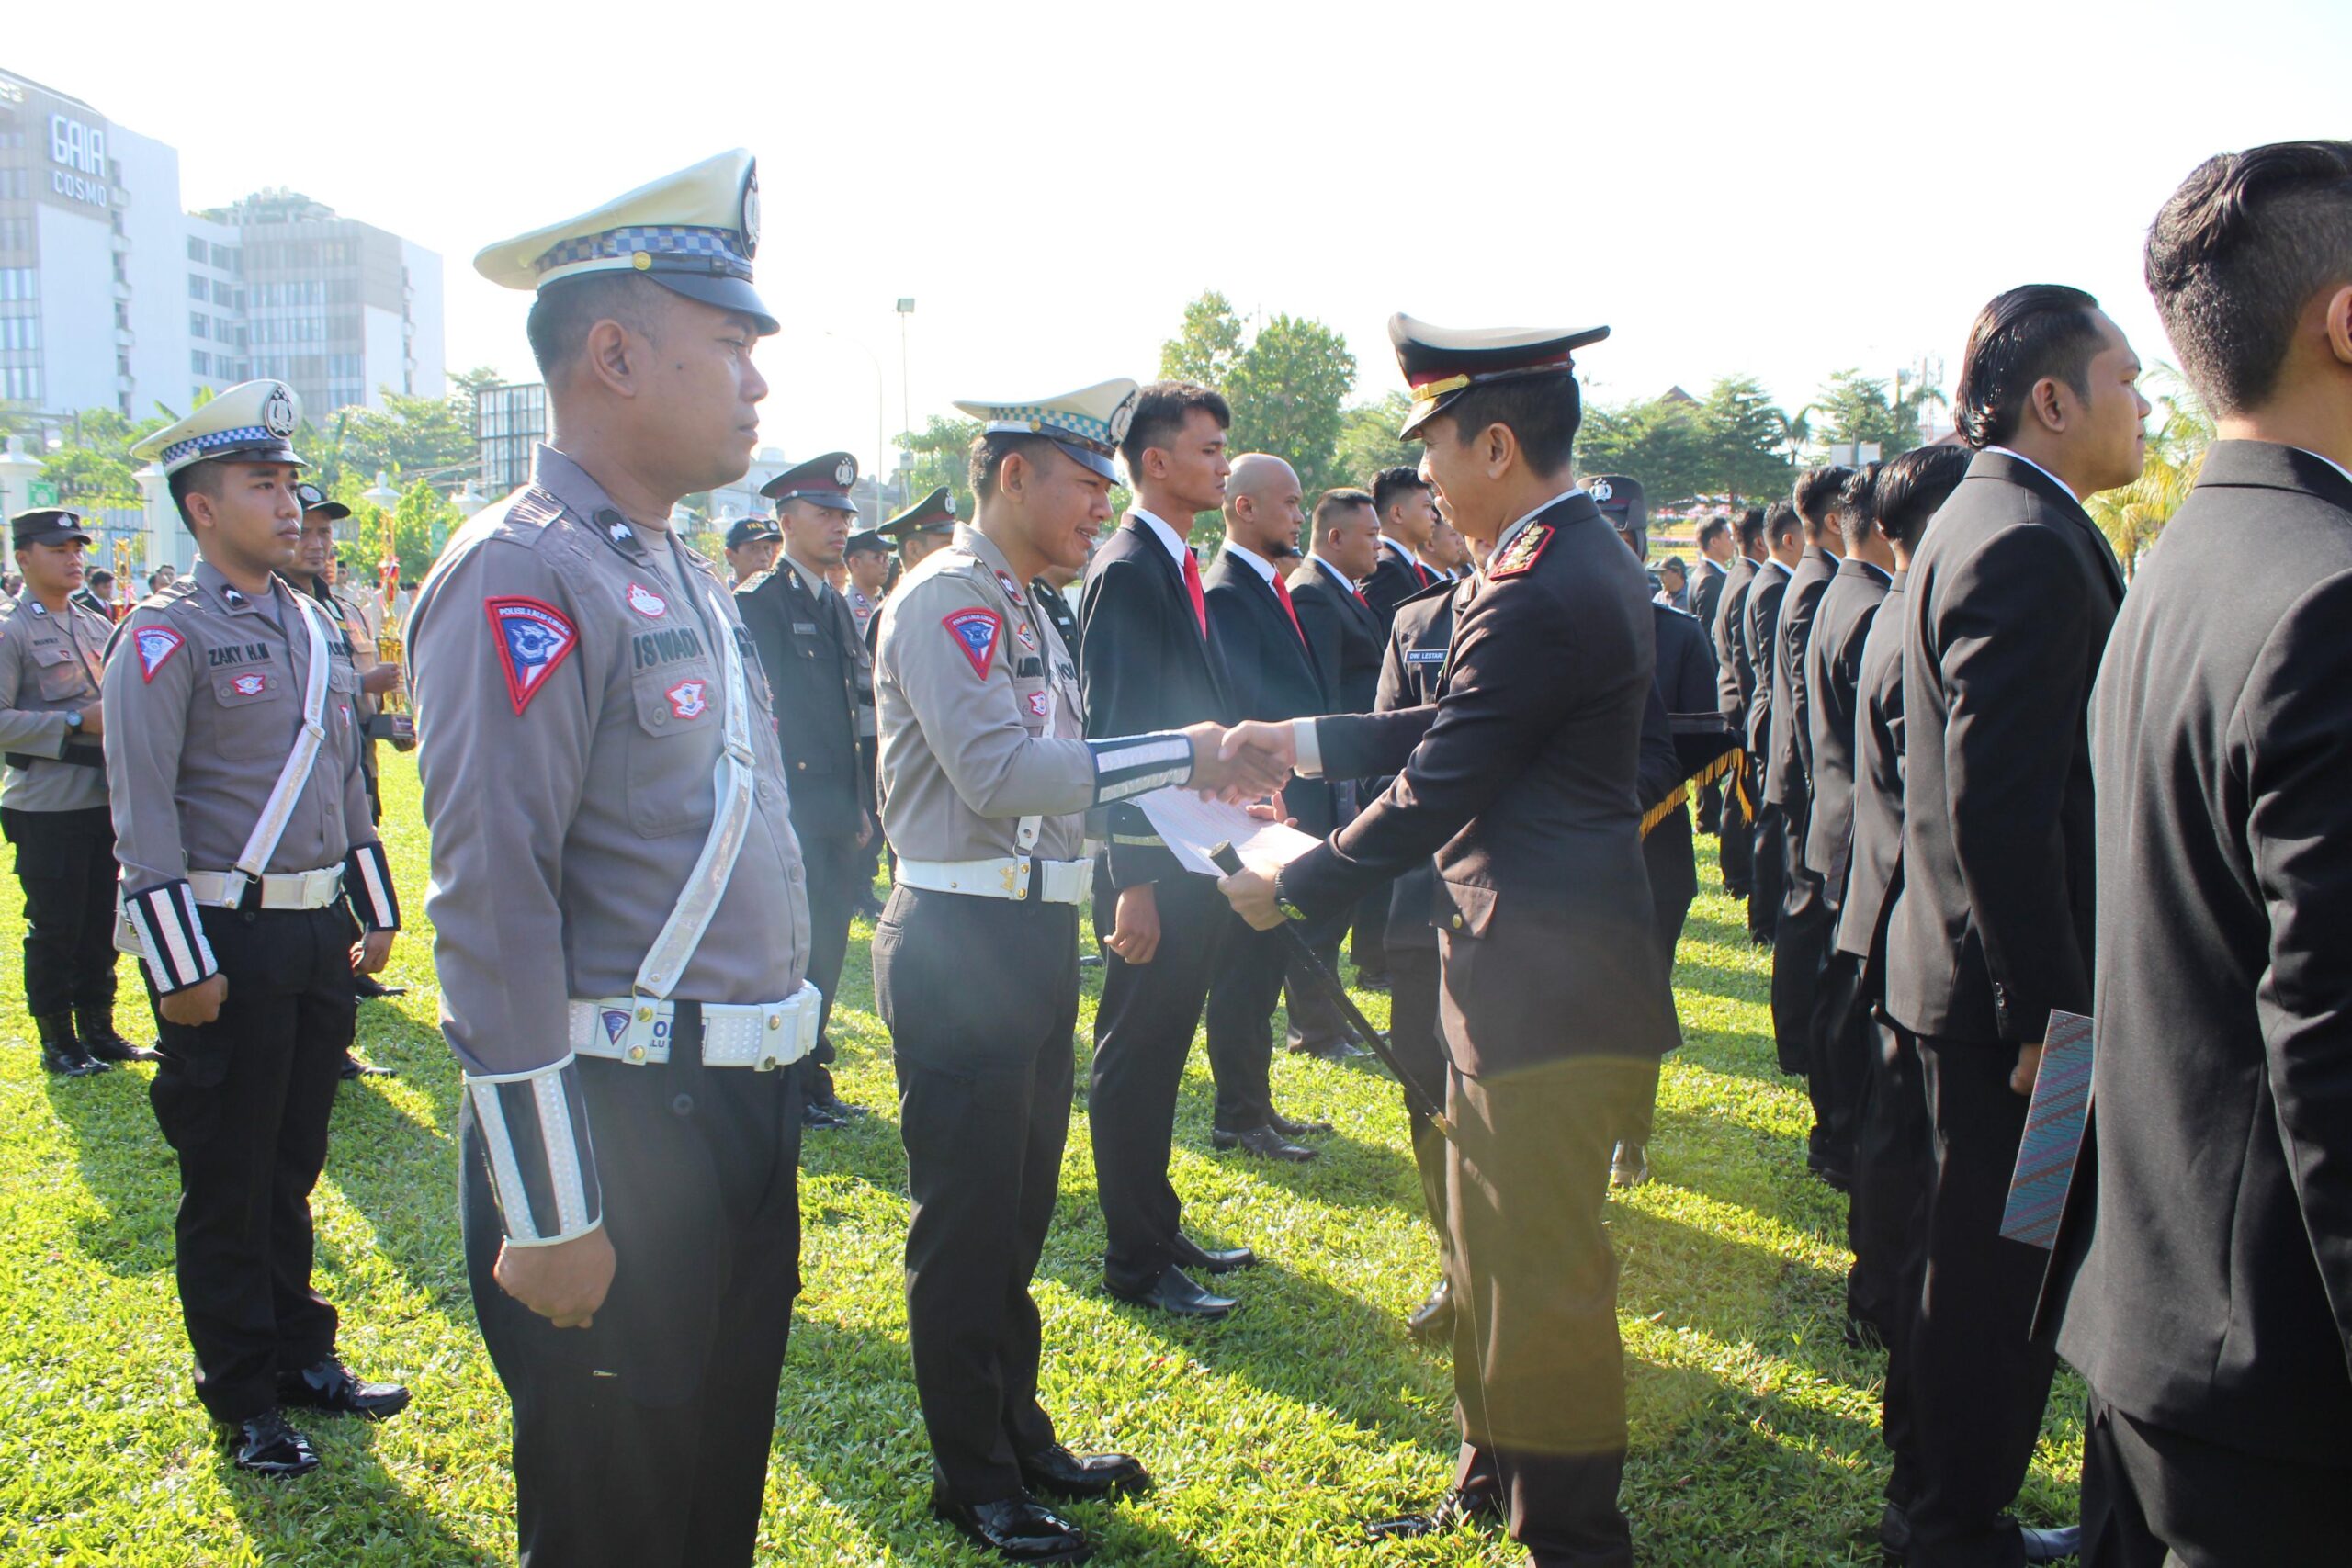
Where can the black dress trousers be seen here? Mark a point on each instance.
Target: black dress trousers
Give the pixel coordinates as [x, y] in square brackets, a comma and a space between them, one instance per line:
[641, 1442]
[982, 998]
[1978, 1383]
[1800, 946]
[1735, 847]
[1143, 1031]
[65, 864]
[1765, 869]
[1420, 1048]
[2155, 1497]
[244, 1102]
[831, 862]
[1245, 985]
[1886, 1225]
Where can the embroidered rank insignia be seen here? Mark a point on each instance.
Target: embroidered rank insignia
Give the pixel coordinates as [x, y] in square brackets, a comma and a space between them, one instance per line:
[249, 686]
[975, 632]
[1041, 704]
[1025, 635]
[687, 699]
[1011, 589]
[156, 645]
[647, 602]
[533, 638]
[1522, 552]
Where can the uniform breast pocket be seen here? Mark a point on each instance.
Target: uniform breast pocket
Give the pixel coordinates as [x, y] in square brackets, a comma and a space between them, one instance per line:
[254, 713]
[63, 677]
[342, 693]
[678, 737]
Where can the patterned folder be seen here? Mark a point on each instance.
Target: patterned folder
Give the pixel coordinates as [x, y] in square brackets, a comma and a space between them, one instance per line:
[2054, 1132]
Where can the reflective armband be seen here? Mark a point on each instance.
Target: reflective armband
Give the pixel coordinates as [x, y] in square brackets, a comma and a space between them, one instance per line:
[542, 1166]
[368, 882]
[1137, 764]
[171, 935]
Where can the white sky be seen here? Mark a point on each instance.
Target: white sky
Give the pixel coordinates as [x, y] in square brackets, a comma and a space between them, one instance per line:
[1779, 189]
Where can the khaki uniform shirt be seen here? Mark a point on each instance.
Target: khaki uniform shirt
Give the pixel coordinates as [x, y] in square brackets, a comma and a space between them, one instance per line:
[49, 665]
[204, 688]
[569, 700]
[982, 722]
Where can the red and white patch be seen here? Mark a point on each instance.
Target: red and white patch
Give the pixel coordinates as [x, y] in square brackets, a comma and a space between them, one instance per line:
[1025, 635]
[532, 639]
[647, 602]
[155, 645]
[249, 685]
[1040, 704]
[1521, 553]
[1011, 589]
[689, 699]
[977, 632]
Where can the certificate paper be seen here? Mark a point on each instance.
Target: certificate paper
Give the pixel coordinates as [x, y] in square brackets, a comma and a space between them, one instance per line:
[1192, 827]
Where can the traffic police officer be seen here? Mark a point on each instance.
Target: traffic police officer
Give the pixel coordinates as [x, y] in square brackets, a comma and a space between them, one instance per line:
[1557, 1007]
[238, 856]
[986, 781]
[816, 662]
[53, 797]
[622, 927]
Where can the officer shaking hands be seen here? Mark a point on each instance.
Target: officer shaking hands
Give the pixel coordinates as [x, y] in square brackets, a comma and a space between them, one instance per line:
[241, 825]
[986, 781]
[620, 920]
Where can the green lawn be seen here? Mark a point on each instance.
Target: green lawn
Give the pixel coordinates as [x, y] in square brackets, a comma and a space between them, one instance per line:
[1754, 1425]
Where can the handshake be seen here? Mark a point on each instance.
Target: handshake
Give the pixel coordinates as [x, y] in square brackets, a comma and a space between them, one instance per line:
[1249, 762]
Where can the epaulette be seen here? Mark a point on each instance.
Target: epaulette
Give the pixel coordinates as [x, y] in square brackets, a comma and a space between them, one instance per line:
[170, 597]
[1522, 553]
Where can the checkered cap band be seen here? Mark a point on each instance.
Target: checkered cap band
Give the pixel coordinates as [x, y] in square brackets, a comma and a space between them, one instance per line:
[658, 241]
[220, 440]
[1039, 421]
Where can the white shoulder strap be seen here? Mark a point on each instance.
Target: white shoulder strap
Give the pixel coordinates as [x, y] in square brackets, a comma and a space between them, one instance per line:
[263, 841]
[732, 785]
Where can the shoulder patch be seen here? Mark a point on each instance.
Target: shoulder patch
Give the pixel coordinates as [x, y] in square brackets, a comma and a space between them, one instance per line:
[977, 632]
[533, 638]
[1522, 552]
[155, 646]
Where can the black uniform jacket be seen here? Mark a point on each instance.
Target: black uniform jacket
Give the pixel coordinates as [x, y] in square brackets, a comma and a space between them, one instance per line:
[1874, 866]
[1788, 764]
[1397, 578]
[1686, 660]
[1416, 641]
[1735, 676]
[1521, 778]
[1144, 666]
[1273, 674]
[810, 646]
[1705, 593]
[1833, 672]
[1759, 631]
[2006, 615]
[1348, 637]
[1057, 609]
[2208, 1236]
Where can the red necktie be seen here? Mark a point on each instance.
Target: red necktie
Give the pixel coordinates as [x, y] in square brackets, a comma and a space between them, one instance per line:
[1281, 592]
[1420, 573]
[1193, 589]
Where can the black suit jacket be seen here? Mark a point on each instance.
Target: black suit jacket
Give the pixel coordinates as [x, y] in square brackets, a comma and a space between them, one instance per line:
[1271, 674]
[2204, 1258]
[2006, 617]
[1057, 609]
[1788, 764]
[1409, 678]
[1348, 637]
[1145, 666]
[1524, 789]
[1705, 593]
[1393, 581]
[810, 646]
[1735, 676]
[1833, 672]
[1759, 635]
[1874, 867]
[1686, 660]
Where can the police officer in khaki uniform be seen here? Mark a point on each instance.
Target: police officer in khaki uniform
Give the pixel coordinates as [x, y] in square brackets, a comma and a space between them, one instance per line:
[241, 823]
[986, 781]
[619, 906]
[53, 797]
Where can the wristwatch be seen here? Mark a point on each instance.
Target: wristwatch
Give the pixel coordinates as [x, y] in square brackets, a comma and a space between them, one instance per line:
[73, 720]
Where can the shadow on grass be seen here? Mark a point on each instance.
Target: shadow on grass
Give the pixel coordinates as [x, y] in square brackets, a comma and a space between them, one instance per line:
[349, 1499]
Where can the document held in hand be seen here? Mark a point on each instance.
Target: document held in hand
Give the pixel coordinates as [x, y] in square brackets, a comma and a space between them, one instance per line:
[2054, 1132]
[1192, 826]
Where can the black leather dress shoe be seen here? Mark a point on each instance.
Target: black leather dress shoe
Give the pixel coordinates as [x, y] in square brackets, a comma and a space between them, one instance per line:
[815, 1115]
[1191, 1254]
[68, 1061]
[2061, 1545]
[1019, 1529]
[1456, 1509]
[1175, 1294]
[840, 1110]
[1893, 1533]
[352, 1068]
[1330, 1047]
[1290, 1129]
[1433, 1321]
[267, 1446]
[101, 1042]
[329, 1386]
[1058, 1472]
[1263, 1141]
[1371, 980]
[366, 987]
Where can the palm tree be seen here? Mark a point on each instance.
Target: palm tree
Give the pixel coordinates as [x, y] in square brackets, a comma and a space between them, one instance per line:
[1796, 431]
[2135, 515]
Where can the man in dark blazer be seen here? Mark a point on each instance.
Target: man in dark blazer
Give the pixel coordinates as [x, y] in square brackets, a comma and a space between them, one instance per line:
[1408, 517]
[1718, 548]
[815, 661]
[1272, 676]
[1148, 661]
[1734, 688]
[2204, 1257]
[2005, 618]
[1892, 1157]
[1759, 635]
[1557, 1006]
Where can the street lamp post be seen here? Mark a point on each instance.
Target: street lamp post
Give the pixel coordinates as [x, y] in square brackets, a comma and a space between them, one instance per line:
[906, 308]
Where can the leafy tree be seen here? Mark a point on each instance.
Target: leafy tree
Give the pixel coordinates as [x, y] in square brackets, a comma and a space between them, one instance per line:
[1206, 346]
[1287, 384]
[93, 468]
[1369, 443]
[941, 453]
[1858, 410]
[1661, 443]
[1743, 434]
[419, 525]
[2133, 516]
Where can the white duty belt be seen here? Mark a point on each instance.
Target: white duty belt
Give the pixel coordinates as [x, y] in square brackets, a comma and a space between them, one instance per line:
[1007, 877]
[637, 1028]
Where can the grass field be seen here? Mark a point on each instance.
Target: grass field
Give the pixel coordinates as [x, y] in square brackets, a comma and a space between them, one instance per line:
[1754, 1425]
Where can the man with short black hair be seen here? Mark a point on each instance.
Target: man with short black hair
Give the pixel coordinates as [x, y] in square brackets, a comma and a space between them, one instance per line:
[1734, 691]
[1718, 547]
[1447, 555]
[96, 593]
[1760, 639]
[2006, 617]
[752, 547]
[1407, 516]
[2204, 1260]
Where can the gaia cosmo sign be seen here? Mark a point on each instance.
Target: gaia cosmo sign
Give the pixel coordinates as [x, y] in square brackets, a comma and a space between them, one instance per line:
[80, 152]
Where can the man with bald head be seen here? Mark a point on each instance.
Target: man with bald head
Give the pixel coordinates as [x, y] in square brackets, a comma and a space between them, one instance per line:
[1273, 676]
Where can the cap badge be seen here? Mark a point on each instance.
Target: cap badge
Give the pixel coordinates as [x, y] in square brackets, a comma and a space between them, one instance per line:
[949, 506]
[1599, 490]
[1121, 417]
[277, 413]
[751, 222]
[1011, 589]
[647, 602]
[845, 472]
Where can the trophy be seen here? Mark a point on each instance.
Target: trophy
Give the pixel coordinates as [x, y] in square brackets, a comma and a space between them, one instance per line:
[120, 606]
[387, 638]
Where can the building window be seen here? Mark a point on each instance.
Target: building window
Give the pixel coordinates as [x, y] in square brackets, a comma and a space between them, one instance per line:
[21, 384]
[198, 325]
[224, 258]
[199, 362]
[19, 332]
[196, 251]
[223, 295]
[121, 316]
[122, 364]
[198, 288]
[19, 283]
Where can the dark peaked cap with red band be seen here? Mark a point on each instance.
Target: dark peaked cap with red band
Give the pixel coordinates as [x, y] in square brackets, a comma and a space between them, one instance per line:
[934, 513]
[823, 481]
[1442, 363]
